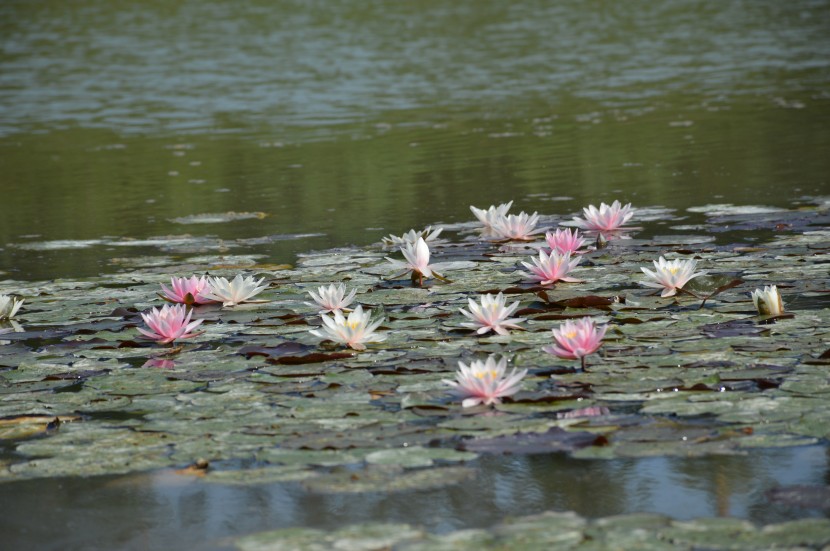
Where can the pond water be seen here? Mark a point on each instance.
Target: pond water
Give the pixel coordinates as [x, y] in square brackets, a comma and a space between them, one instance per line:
[165, 510]
[303, 126]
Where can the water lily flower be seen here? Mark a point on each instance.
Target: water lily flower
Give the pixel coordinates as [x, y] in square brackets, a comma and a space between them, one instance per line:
[671, 275]
[576, 339]
[187, 291]
[548, 269]
[768, 302]
[412, 236]
[417, 261]
[516, 227]
[564, 241]
[9, 326]
[9, 306]
[231, 293]
[492, 315]
[485, 382]
[605, 218]
[487, 217]
[332, 298]
[170, 323]
[352, 331]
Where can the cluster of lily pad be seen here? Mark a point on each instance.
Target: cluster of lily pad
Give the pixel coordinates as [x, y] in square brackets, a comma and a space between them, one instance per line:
[257, 385]
[482, 381]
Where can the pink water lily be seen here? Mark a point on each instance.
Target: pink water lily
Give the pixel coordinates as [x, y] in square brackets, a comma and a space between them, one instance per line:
[353, 331]
[187, 291]
[671, 275]
[491, 315]
[606, 218]
[485, 382]
[550, 268]
[517, 227]
[576, 339]
[170, 323]
[564, 241]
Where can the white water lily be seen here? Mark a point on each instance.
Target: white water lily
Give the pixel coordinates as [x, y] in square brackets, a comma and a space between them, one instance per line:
[487, 216]
[491, 315]
[9, 306]
[671, 275]
[231, 293]
[353, 331]
[417, 261]
[485, 382]
[768, 301]
[428, 234]
[332, 297]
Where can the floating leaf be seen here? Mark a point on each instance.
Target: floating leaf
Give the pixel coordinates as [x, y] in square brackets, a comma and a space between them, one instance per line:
[554, 440]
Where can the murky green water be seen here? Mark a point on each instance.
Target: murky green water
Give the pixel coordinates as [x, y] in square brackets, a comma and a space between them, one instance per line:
[352, 120]
[344, 121]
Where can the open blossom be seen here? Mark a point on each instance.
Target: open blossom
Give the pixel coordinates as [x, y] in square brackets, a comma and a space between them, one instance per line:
[516, 227]
[332, 298]
[551, 268]
[352, 331]
[485, 382]
[576, 339]
[9, 306]
[564, 241]
[412, 236]
[187, 291]
[417, 261]
[671, 275]
[605, 218]
[768, 302]
[487, 217]
[491, 315]
[231, 293]
[170, 323]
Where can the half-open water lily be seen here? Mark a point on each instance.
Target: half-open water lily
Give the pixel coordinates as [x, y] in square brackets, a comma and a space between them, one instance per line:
[353, 331]
[170, 323]
[9, 306]
[485, 382]
[417, 261]
[768, 301]
[564, 240]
